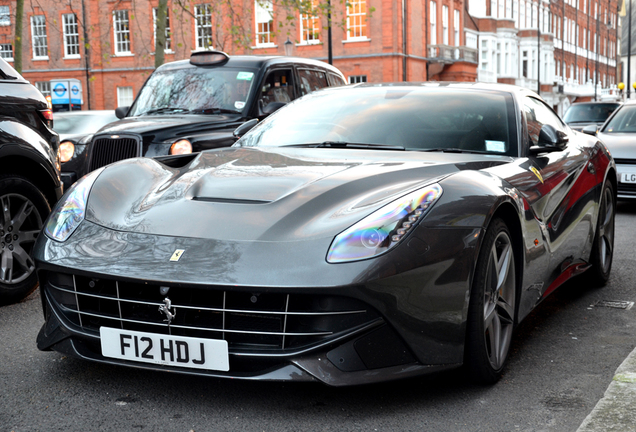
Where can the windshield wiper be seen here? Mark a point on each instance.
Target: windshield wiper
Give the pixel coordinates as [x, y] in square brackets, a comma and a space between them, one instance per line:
[341, 144]
[451, 150]
[214, 111]
[164, 110]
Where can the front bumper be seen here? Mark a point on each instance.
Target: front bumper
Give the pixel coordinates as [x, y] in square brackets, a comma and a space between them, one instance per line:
[415, 303]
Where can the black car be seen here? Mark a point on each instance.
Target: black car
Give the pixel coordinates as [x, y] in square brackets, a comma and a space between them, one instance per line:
[398, 230]
[29, 179]
[192, 105]
[583, 114]
[76, 128]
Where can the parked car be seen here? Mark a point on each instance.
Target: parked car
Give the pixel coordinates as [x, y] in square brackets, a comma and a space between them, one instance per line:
[75, 129]
[29, 179]
[398, 230]
[192, 105]
[619, 135]
[583, 114]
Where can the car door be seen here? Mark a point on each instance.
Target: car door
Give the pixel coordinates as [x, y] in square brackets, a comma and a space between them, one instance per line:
[277, 87]
[558, 216]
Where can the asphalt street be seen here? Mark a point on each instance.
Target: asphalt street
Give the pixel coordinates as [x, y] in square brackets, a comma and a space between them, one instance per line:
[564, 357]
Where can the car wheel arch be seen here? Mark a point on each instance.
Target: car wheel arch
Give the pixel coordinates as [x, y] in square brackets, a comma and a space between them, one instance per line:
[26, 167]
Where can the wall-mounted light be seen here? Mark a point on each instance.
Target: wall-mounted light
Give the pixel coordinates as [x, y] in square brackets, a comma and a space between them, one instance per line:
[288, 47]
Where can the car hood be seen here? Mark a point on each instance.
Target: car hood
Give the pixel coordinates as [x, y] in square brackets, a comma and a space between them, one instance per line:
[259, 194]
[166, 127]
[620, 145]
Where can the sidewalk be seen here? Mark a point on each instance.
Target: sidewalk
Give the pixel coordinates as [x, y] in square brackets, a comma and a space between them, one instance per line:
[616, 411]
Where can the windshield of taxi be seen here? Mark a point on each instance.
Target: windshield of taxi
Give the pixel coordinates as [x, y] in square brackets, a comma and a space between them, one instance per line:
[394, 118]
[194, 91]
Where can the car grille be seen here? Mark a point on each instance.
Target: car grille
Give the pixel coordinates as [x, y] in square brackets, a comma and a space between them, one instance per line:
[625, 161]
[107, 150]
[249, 320]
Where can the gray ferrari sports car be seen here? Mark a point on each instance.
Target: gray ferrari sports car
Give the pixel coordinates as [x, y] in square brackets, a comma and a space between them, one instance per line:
[359, 234]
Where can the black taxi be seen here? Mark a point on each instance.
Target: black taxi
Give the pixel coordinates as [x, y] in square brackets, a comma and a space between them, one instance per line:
[192, 105]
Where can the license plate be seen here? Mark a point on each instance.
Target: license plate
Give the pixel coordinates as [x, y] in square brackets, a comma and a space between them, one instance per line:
[180, 351]
[628, 178]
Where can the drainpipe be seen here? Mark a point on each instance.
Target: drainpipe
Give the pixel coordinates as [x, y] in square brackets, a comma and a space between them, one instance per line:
[404, 21]
[86, 58]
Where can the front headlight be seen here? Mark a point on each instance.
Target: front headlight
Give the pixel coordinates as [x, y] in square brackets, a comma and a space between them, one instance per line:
[182, 146]
[384, 228]
[66, 151]
[69, 211]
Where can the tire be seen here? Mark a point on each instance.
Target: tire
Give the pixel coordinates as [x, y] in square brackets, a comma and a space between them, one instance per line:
[23, 210]
[492, 308]
[603, 247]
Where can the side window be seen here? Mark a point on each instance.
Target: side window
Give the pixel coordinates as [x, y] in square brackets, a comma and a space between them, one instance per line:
[537, 114]
[277, 87]
[311, 80]
[335, 80]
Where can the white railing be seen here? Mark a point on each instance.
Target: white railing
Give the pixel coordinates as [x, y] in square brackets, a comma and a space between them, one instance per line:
[486, 76]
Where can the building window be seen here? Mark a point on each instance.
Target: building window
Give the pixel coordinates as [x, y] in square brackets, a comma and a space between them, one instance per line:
[44, 87]
[203, 16]
[310, 27]
[354, 79]
[5, 17]
[264, 23]
[356, 19]
[524, 64]
[168, 44]
[38, 37]
[124, 96]
[71, 36]
[445, 35]
[456, 26]
[121, 27]
[433, 14]
[6, 52]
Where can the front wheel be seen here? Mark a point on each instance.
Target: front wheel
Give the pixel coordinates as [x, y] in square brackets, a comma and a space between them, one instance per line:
[23, 209]
[603, 246]
[492, 307]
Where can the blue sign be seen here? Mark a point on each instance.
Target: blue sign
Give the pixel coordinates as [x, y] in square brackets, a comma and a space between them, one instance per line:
[75, 90]
[59, 90]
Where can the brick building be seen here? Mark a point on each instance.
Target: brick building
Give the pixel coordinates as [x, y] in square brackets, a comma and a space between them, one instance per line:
[568, 47]
[112, 55]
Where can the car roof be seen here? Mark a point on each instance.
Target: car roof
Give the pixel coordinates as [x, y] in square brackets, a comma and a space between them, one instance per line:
[508, 88]
[598, 103]
[83, 112]
[254, 61]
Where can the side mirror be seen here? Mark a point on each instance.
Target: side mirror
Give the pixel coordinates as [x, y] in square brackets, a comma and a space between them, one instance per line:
[121, 112]
[245, 128]
[272, 107]
[590, 130]
[550, 140]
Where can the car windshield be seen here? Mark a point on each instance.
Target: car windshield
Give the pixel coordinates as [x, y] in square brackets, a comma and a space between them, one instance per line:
[419, 118]
[194, 90]
[592, 113]
[73, 124]
[623, 121]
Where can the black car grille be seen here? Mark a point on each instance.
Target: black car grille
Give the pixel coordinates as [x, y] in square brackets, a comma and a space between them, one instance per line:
[250, 321]
[105, 151]
[625, 161]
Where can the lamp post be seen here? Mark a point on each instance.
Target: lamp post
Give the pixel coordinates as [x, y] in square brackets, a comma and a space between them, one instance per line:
[288, 47]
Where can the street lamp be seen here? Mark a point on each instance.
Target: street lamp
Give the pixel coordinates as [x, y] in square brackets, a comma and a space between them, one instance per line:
[288, 47]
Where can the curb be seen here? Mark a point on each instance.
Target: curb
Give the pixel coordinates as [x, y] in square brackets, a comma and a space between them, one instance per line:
[615, 411]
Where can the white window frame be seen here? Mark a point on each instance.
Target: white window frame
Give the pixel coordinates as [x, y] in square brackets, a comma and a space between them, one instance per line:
[121, 32]
[3, 51]
[445, 29]
[5, 16]
[203, 27]
[168, 47]
[310, 27]
[456, 18]
[124, 99]
[39, 41]
[357, 20]
[70, 30]
[355, 79]
[44, 87]
[433, 23]
[264, 14]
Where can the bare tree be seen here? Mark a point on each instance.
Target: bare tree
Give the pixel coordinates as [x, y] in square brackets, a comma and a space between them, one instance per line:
[17, 39]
